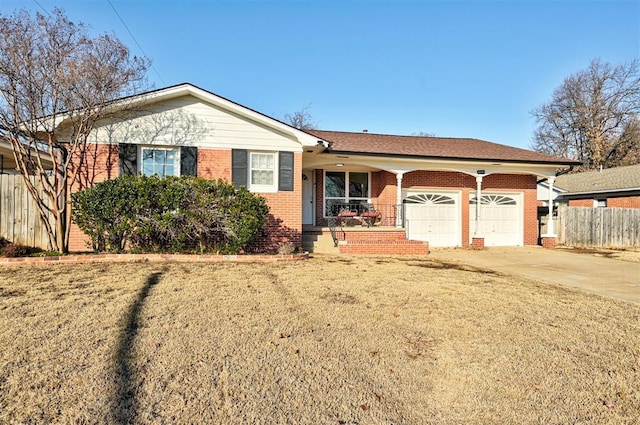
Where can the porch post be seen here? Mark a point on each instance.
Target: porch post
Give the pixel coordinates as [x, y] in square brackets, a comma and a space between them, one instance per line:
[550, 230]
[399, 216]
[476, 233]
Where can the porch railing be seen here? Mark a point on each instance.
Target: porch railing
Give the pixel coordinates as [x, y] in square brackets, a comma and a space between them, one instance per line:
[341, 215]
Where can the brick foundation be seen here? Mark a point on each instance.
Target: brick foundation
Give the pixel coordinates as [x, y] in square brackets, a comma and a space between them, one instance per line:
[382, 247]
[385, 242]
[477, 243]
[151, 258]
[549, 242]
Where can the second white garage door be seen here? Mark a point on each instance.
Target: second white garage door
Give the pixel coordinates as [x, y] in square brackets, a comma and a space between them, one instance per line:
[501, 219]
[433, 217]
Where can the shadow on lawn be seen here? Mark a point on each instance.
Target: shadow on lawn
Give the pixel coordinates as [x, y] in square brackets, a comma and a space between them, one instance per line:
[124, 409]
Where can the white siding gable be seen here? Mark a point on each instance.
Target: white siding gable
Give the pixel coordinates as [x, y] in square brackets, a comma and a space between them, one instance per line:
[189, 121]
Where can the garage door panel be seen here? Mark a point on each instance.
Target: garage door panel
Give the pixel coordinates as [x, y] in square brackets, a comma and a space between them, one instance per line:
[501, 221]
[433, 217]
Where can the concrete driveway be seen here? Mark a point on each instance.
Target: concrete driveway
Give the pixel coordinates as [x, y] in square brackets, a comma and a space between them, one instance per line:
[604, 276]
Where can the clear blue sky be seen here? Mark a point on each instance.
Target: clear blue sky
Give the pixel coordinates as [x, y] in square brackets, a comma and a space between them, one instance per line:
[457, 68]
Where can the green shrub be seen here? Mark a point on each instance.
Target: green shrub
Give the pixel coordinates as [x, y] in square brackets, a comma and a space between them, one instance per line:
[173, 214]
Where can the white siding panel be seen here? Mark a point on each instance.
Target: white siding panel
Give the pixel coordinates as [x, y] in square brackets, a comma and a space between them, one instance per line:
[189, 121]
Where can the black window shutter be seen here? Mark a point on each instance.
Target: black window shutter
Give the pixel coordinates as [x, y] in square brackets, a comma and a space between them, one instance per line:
[128, 158]
[286, 175]
[188, 161]
[239, 167]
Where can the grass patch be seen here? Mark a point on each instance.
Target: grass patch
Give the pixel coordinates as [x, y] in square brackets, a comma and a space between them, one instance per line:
[325, 341]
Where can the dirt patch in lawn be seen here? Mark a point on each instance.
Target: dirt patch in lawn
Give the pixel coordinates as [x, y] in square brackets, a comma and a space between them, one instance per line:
[327, 341]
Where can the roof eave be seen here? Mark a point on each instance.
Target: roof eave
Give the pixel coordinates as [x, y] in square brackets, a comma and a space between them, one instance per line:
[600, 192]
[566, 163]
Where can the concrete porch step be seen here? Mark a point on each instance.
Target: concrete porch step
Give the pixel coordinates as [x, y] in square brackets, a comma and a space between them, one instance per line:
[319, 243]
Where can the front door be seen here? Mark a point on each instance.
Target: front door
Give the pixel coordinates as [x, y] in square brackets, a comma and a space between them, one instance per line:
[307, 197]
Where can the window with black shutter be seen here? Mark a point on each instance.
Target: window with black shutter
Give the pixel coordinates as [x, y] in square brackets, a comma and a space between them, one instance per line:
[286, 174]
[239, 167]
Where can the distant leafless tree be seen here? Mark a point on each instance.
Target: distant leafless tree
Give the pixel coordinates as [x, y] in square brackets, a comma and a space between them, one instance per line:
[593, 117]
[56, 83]
[301, 119]
[423, 134]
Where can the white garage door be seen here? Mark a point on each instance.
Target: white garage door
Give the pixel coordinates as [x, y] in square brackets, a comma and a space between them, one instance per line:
[500, 219]
[433, 217]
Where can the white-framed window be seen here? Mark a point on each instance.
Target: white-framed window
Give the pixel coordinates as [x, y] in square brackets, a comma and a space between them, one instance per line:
[345, 187]
[159, 161]
[600, 203]
[262, 172]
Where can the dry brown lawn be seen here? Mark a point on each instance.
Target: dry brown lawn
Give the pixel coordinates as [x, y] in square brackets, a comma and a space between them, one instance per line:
[333, 340]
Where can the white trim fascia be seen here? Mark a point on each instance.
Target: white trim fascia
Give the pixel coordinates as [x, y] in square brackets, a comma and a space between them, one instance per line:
[598, 192]
[545, 185]
[405, 165]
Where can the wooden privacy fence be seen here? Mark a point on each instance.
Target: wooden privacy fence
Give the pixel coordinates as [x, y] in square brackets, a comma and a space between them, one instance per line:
[19, 218]
[599, 227]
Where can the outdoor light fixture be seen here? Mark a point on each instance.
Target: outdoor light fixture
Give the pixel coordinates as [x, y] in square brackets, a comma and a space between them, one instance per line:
[339, 164]
[480, 172]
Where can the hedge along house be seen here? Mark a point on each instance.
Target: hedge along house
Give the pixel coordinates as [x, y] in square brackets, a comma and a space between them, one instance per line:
[400, 191]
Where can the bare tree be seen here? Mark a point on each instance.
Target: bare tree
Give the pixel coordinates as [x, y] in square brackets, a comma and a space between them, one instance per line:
[423, 134]
[56, 82]
[301, 119]
[593, 117]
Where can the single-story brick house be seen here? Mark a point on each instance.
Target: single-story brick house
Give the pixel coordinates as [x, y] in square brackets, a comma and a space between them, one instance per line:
[617, 187]
[445, 191]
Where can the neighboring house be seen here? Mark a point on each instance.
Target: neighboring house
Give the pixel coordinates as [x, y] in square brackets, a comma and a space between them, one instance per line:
[446, 191]
[8, 162]
[19, 219]
[617, 187]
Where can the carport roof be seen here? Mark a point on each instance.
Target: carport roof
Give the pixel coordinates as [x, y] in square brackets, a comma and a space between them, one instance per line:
[432, 147]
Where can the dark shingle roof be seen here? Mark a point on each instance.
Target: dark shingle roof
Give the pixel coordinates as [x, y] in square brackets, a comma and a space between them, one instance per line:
[433, 147]
[618, 178]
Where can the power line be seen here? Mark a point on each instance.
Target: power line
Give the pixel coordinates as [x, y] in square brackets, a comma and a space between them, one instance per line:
[45, 10]
[134, 39]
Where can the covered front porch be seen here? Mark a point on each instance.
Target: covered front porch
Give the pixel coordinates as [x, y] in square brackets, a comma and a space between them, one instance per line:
[445, 208]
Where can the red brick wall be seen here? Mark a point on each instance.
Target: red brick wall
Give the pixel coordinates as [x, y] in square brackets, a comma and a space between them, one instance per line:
[581, 203]
[285, 218]
[385, 248]
[624, 202]
[285, 215]
[214, 164]
[612, 202]
[101, 163]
